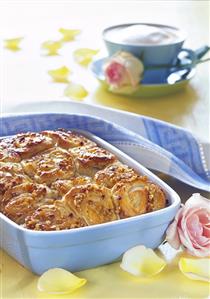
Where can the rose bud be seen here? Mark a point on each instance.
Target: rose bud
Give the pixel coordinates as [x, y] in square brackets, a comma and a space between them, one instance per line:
[123, 69]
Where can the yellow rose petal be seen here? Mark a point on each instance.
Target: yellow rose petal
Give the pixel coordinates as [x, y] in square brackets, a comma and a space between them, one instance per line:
[59, 281]
[52, 47]
[69, 34]
[60, 74]
[142, 261]
[13, 44]
[196, 269]
[75, 91]
[84, 56]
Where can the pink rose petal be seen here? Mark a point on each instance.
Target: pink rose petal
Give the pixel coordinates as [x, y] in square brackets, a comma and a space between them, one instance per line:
[194, 225]
[202, 252]
[206, 232]
[199, 201]
[171, 234]
[204, 217]
[195, 231]
[114, 73]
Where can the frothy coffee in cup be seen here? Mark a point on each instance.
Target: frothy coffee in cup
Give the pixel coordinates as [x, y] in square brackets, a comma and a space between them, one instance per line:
[142, 34]
[153, 44]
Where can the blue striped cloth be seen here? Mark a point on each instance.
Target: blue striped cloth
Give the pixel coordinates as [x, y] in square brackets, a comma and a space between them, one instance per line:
[155, 144]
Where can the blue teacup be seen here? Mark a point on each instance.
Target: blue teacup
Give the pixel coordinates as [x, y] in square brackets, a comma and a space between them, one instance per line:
[156, 54]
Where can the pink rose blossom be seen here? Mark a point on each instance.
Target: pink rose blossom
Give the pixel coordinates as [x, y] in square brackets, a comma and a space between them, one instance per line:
[191, 227]
[123, 69]
[116, 73]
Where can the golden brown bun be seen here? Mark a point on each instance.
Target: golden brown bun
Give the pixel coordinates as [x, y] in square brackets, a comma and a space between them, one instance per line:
[131, 197]
[11, 174]
[8, 154]
[67, 139]
[49, 166]
[137, 196]
[8, 180]
[92, 203]
[20, 206]
[63, 186]
[11, 167]
[113, 174]
[26, 145]
[156, 198]
[89, 160]
[56, 216]
[23, 199]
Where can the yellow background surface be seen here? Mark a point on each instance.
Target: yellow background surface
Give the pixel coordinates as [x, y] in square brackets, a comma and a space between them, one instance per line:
[24, 78]
[108, 282]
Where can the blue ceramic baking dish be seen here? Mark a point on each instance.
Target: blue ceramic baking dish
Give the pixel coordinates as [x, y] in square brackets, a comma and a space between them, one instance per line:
[86, 247]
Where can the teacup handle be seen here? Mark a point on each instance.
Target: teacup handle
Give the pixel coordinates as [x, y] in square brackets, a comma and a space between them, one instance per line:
[195, 55]
[200, 52]
[189, 54]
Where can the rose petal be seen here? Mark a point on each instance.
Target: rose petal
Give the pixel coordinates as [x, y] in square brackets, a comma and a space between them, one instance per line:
[142, 261]
[172, 235]
[186, 216]
[116, 75]
[135, 68]
[194, 225]
[69, 34]
[75, 91]
[199, 251]
[199, 241]
[204, 218]
[196, 269]
[206, 232]
[52, 47]
[199, 201]
[59, 281]
[202, 252]
[195, 231]
[186, 237]
[84, 56]
[60, 74]
[13, 44]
